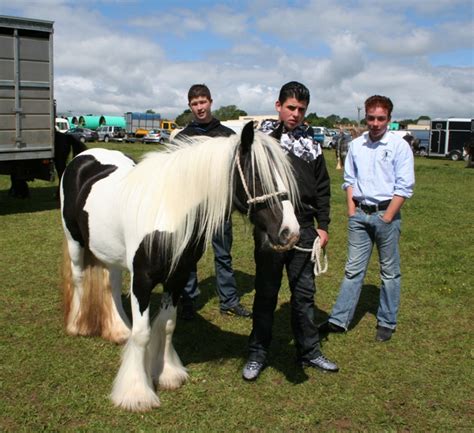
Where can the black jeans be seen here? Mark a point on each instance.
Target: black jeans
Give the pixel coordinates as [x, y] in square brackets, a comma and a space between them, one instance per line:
[269, 272]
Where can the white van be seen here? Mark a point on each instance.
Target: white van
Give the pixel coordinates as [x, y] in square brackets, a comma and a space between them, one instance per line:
[107, 133]
[61, 125]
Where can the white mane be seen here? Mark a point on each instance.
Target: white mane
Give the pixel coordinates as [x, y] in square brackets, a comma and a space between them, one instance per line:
[188, 186]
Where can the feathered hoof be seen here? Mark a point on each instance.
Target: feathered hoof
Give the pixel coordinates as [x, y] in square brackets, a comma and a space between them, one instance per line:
[136, 402]
[171, 379]
[117, 337]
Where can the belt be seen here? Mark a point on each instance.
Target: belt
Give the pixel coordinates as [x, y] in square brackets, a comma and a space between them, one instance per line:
[371, 208]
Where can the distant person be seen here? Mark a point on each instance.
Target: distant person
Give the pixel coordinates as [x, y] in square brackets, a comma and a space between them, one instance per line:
[469, 151]
[200, 103]
[342, 147]
[314, 185]
[378, 178]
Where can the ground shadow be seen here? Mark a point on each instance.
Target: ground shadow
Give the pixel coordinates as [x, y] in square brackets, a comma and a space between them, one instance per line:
[199, 340]
[40, 199]
[208, 287]
[368, 303]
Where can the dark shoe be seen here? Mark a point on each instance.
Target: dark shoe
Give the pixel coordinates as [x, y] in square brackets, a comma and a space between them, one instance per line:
[238, 310]
[252, 370]
[188, 312]
[322, 363]
[383, 333]
[327, 327]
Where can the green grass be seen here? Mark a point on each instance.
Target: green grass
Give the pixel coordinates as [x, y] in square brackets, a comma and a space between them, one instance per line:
[419, 381]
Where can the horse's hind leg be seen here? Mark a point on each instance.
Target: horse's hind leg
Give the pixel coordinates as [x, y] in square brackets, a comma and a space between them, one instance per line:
[73, 274]
[166, 367]
[117, 328]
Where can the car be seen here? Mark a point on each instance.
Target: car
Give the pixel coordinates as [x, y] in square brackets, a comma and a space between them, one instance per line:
[322, 136]
[108, 132]
[156, 136]
[83, 134]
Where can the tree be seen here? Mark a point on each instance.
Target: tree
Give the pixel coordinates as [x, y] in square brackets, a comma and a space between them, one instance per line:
[184, 118]
[229, 112]
[150, 111]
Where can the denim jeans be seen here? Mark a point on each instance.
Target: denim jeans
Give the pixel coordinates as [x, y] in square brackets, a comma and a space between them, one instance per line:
[226, 284]
[365, 230]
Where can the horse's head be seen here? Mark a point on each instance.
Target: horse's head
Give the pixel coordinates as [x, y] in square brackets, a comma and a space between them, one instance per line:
[265, 188]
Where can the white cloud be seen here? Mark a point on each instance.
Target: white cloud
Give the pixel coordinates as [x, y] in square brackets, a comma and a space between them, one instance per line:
[343, 52]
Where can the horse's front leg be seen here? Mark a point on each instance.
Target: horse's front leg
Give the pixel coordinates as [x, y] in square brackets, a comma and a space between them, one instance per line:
[166, 367]
[133, 387]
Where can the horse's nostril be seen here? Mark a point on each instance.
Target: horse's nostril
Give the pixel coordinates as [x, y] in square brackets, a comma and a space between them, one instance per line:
[284, 235]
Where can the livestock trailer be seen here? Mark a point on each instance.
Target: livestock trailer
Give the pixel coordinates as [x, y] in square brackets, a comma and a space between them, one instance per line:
[448, 137]
[26, 98]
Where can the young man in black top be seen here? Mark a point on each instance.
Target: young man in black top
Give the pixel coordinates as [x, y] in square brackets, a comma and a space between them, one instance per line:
[200, 103]
[314, 186]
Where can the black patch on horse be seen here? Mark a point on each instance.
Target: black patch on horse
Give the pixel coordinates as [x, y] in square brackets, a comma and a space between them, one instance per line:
[81, 174]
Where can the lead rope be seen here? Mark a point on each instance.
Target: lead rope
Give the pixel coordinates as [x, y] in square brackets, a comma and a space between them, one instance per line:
[316, 252]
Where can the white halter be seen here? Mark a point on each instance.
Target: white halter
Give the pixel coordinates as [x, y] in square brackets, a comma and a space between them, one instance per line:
[259, 199]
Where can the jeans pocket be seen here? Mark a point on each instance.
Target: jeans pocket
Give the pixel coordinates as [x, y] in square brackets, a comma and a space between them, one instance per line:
[380, 216]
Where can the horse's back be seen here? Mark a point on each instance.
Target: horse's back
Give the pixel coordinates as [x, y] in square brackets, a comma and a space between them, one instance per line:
[82, 176]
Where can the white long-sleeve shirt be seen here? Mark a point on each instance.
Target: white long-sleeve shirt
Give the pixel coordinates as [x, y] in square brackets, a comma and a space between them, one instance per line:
[379, 170]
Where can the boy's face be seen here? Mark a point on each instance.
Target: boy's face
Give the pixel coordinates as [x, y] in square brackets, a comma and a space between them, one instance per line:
[377, 119]
[201, 109]
[291, 112]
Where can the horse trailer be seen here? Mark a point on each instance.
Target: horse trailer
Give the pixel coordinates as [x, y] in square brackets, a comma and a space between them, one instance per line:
[449, 136]
[26, 98]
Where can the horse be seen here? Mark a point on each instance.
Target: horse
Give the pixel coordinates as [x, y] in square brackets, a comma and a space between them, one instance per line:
[63, 144]
[154, 218]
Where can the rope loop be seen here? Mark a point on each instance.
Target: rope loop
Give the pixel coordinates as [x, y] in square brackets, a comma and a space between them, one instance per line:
[316, 253]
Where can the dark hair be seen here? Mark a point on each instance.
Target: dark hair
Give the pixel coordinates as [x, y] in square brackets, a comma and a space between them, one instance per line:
[379, 101]
[293, 89]
[197, 90]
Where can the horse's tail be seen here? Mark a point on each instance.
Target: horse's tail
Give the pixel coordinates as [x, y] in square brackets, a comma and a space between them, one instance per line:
[88, 313]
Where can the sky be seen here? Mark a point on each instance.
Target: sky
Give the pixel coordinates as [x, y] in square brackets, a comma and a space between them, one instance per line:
[111, 57]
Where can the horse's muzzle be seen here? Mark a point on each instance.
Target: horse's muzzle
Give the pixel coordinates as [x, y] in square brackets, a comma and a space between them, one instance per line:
[287, 240]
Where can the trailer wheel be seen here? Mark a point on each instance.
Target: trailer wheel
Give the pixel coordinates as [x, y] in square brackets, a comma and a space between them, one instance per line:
[455, 156]
[422, 152]
[82, 140]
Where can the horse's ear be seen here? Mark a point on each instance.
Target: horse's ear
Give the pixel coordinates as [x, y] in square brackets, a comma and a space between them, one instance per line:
[276, 134]
[246, 139]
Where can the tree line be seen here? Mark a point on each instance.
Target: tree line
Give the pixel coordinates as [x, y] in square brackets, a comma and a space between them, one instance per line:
[232, 112]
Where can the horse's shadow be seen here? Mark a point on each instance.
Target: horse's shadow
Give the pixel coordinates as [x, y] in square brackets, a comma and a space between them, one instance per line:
[200, 340]
[208, 291]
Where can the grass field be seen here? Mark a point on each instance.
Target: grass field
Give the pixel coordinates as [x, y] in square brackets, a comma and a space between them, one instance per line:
[422, 380]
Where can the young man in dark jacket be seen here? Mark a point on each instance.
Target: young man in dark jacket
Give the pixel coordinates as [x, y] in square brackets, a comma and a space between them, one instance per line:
[200, 103]
[314, 186]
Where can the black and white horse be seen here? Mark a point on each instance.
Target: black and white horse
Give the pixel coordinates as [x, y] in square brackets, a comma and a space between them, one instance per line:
[154, 218]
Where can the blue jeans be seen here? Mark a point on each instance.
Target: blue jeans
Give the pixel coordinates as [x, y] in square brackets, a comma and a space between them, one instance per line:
[365, 230]
[226, 284]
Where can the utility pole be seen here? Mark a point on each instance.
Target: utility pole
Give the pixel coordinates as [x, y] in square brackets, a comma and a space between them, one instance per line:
[358, 115]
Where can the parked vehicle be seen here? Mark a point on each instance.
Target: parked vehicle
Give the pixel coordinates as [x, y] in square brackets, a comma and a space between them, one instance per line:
[27, 113]
[139, 124]
[61, 124]
[322, 136]
[154, 136]
[107, 133]
[83, 134]
[448, 137]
